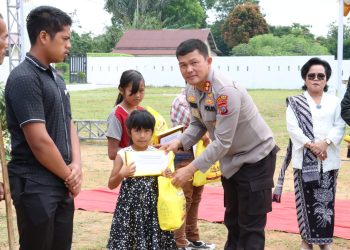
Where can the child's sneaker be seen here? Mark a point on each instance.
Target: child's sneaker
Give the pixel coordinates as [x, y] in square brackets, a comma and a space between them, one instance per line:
[200, 245]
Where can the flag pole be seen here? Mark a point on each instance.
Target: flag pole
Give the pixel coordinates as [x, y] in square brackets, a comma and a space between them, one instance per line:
[340, 49]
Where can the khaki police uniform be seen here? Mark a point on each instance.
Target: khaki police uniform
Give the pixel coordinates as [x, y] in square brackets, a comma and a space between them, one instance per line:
[244, 145]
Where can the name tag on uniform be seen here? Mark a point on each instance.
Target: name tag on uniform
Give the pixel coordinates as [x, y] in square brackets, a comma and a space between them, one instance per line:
[209, 108]
[193, 105]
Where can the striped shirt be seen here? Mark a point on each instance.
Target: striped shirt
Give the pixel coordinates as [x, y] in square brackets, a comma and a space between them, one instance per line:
[180, 111]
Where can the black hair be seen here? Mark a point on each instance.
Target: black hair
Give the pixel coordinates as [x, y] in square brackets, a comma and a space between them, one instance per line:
[191, 45]
[140, 119]
[1, 17]
[316, 61]
[129, 76]
[46, 18]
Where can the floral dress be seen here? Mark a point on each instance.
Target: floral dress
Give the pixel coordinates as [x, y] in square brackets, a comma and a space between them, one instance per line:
[135, 222]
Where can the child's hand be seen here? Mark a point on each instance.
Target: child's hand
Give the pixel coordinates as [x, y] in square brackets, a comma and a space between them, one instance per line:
[129, 170]
[167, 173]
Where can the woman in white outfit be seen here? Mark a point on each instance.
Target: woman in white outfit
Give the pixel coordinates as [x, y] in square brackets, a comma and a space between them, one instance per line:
[315, 129]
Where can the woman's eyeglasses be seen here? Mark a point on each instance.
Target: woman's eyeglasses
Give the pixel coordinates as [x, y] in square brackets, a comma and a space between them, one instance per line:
[318, 76]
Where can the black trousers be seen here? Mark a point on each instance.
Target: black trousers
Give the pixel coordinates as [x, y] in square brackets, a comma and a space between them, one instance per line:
[44, 215]
[248, 199]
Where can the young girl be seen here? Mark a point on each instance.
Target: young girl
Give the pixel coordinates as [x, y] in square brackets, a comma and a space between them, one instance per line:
[131, 92]
[135, 221]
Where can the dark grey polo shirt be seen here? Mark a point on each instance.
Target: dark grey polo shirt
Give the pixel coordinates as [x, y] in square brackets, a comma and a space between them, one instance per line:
[35, 93]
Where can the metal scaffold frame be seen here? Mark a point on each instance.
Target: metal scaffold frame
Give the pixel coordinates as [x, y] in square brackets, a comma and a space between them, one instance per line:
[16, 37]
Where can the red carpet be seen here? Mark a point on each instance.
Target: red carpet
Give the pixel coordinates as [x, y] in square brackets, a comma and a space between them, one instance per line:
[282, 217]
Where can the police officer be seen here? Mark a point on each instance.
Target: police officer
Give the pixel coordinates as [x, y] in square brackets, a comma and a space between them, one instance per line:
[3, 47]
[241, 141]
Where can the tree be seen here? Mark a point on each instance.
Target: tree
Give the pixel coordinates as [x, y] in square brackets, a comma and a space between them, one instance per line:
[332, 39]
[224, 7]
[81, 44]
[207, 4]
[244, 22]
[296, 29]
[183, 14]
[85, 43]
[220, 43]
[148, 22]
[106, 42]
[123, 11]
[287, 45]
[161, 13]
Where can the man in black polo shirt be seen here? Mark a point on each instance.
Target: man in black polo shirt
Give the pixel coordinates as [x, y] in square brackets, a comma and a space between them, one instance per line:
[45, 169]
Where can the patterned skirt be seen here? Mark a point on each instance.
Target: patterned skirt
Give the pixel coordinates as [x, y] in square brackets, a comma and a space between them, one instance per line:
[135, 223]
[315, 207]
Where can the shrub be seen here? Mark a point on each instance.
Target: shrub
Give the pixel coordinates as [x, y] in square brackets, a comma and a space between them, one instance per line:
[63, 67]
[63, 70]
[5, 132]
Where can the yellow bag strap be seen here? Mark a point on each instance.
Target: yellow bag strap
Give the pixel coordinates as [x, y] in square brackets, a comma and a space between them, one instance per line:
[171, 157]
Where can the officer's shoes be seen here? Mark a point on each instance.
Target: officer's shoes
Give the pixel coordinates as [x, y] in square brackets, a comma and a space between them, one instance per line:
[200, 245]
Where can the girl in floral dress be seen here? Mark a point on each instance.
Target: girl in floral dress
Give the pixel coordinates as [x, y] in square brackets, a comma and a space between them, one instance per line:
[135, 221]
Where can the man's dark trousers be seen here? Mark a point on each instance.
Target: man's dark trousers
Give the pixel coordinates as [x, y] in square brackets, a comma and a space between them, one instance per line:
[44, 215]
[248, 199]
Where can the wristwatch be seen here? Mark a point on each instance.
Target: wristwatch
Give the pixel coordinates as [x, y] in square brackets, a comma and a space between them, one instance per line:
[328, 141]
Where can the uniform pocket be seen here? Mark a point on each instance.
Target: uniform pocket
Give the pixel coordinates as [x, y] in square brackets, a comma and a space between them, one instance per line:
[260, 198]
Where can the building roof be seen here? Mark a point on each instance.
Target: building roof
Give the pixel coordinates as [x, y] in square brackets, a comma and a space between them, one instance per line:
[160, 42]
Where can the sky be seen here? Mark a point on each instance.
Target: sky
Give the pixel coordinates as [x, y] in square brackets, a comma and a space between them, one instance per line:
[92, 18]
[317, 13]
[90, 15]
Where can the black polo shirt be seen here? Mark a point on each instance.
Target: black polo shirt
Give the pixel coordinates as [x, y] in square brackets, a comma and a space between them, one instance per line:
[35, 93]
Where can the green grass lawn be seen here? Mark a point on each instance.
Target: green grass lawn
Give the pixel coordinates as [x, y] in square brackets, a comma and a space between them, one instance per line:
[96, 104]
